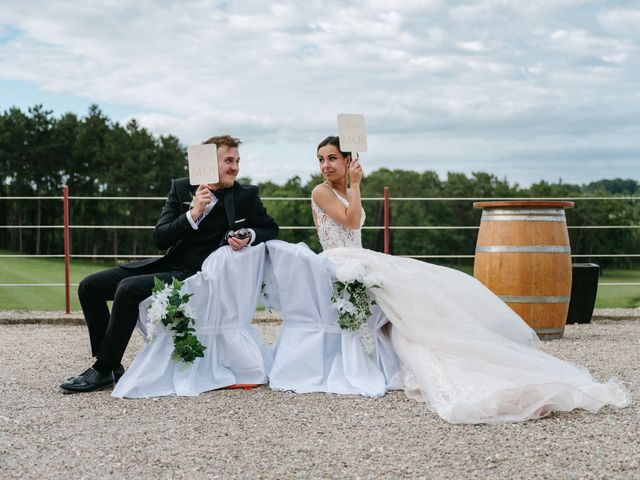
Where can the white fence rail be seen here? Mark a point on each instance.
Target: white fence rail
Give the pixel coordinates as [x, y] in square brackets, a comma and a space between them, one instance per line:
[290, 227]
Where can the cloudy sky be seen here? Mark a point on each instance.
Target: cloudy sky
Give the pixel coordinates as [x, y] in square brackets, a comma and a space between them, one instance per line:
[527, 90]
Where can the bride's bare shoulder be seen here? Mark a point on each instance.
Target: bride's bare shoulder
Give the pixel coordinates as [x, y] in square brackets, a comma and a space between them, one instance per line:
[322, 193]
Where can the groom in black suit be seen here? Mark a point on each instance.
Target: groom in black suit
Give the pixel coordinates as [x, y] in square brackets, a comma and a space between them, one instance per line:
[193, 223]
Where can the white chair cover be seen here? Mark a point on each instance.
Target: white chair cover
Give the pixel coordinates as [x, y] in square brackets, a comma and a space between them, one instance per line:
[225, 296]
[313, 354]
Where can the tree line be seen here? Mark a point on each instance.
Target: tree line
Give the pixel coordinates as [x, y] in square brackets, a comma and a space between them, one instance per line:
[96, 157]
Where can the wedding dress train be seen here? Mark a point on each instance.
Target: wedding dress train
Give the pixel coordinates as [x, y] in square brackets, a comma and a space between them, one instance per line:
[463, 350]
[466, 353]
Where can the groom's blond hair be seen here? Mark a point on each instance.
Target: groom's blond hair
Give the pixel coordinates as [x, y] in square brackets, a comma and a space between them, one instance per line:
[220, 140]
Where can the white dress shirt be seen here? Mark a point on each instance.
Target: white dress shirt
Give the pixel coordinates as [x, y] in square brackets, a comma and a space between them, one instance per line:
[194, 224]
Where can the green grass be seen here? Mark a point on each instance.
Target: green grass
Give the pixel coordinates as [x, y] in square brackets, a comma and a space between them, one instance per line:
[627, 296]
[613, 296]
[38, 270]
[41, 270]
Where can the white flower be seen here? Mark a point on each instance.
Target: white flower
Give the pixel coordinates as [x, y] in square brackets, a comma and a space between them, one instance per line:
[192, 203]
[182, 317]
[162, 297]
[372, 280]
[152, 330]
[348, 272]
[352, 295]
[156, 311]
[188, 311]
[345, 306]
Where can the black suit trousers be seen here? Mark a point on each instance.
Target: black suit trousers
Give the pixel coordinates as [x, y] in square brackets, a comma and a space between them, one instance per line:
[110, 332]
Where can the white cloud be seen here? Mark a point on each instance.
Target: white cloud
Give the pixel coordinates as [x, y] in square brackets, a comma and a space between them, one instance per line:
[437, 77]
[411, 6]
[615, 58]
[621, 22]
[476, 46]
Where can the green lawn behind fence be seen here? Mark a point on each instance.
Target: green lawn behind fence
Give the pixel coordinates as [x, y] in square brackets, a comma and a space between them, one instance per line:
[38, 270]
[612, 296]
[41, 270]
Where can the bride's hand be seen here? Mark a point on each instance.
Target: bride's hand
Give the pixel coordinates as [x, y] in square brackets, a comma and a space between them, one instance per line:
[355, 172]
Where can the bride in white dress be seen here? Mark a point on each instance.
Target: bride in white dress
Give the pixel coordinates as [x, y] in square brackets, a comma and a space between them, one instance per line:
[463, 350]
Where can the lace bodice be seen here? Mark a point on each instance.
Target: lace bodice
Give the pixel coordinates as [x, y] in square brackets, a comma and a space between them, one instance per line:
[332, 234]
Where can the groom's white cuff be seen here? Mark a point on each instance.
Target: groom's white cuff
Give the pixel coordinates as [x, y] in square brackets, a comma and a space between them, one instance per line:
[206, 212]
[253, 236]
[194, 225]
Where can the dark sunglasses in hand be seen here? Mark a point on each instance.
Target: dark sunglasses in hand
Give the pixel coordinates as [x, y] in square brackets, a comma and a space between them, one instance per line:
[239, 234]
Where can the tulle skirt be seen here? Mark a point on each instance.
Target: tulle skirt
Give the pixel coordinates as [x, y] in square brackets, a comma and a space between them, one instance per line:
[466, 353]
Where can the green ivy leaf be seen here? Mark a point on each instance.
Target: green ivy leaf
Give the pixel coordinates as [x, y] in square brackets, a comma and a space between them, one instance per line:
[186, 346]
[158, 284]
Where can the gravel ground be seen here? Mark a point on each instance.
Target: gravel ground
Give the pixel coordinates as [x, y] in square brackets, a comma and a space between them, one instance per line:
[265, 434]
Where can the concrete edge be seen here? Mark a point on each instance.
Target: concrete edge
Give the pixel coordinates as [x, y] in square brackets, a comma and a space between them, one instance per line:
[12, 317]
[76, 318]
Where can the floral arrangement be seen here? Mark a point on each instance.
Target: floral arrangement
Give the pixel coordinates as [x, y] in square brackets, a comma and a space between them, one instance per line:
[351, 295]
[192, 203]
[170, 307]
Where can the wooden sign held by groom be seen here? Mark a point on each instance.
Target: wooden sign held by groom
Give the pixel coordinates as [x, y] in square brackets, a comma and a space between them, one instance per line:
[353, 137]
[203, 164]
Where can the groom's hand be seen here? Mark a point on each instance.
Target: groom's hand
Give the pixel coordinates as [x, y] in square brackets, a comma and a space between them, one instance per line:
[237, 244]
[202, 199]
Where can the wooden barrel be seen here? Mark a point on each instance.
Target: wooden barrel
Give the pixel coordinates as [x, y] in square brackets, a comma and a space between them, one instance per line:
[523, 255]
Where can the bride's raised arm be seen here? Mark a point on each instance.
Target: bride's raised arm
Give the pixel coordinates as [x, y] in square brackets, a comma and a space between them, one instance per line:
[326, 199]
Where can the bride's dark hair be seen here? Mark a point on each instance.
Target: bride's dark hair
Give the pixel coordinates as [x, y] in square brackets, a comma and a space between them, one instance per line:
[332, 140]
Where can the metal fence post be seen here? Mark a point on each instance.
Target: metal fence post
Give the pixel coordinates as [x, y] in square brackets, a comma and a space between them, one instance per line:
[386, 219]
[66, 248]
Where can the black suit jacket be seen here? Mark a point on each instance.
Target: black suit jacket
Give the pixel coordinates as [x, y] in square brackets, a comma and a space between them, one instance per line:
[188, 248]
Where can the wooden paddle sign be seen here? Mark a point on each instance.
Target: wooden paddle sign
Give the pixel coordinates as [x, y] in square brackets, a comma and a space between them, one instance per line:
[353, 137]
[203, 164]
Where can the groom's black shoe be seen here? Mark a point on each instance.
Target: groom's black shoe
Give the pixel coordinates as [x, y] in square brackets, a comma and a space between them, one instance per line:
[117, 373]
[88, 381]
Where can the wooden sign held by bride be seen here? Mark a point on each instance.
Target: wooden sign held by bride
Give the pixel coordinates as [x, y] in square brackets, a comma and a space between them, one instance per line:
[203, 164]
[353, 137]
